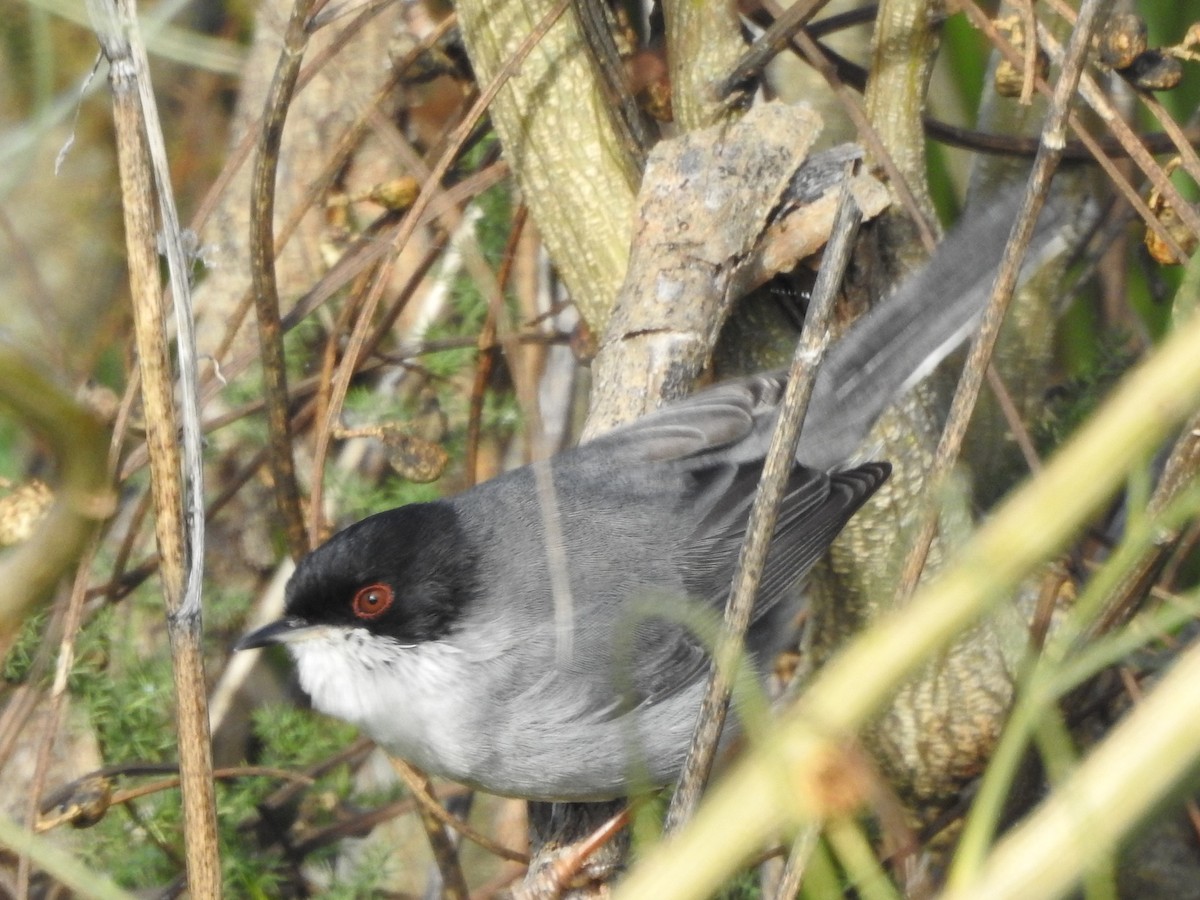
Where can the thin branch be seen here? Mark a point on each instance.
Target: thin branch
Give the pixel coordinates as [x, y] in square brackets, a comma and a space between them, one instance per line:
[1134, 149]
[138, 134]
[337, 160]
[797, 862]
[754, 61]
[1179, 473]
[445, 854]
[265, 289]
[431, 187]
[967, 392]
[779, 464]
[1096, 99]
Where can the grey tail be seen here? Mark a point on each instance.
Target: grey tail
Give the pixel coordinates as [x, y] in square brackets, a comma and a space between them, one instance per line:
[908, 334]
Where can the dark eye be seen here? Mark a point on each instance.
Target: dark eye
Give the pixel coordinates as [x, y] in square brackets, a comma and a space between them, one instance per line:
[372, 601]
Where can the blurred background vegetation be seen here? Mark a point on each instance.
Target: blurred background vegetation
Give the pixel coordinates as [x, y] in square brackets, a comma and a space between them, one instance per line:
[305, 807]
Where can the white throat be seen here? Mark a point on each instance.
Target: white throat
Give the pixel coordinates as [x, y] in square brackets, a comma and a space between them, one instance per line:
[399, 694]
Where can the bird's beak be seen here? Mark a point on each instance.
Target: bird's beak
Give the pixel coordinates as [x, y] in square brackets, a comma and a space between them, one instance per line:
[281, 631]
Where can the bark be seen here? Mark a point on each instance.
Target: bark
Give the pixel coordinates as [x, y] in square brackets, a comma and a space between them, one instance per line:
[559, 142]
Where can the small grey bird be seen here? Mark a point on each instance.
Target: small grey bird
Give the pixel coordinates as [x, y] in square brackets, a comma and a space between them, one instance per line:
[436, 627]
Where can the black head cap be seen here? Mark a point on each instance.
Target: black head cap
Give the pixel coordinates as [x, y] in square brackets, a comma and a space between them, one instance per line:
[408, 573]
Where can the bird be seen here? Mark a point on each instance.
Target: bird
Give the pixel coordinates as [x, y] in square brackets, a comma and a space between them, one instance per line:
[535, 635]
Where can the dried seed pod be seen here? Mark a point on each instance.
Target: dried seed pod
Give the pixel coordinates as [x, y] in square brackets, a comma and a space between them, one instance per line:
[1123, 40]
[80, 804]
[415, 458]
[398, 194]
[22, 508]
[1009, 79]
[1154, 71]
[1183, 236]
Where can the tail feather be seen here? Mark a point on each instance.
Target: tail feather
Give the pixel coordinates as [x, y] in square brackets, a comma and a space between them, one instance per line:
[901, 341]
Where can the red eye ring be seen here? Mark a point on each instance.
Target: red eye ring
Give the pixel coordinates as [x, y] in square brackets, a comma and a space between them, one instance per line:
[372, 601]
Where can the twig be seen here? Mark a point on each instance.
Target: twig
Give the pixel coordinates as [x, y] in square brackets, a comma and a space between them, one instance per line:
[798, 856]
[61, 810]
[1183, 146]
[1178, 474]
[432, 185]
[1132, 147]
[137, 128]
[488, 348]
[1172, 138]
[787, 23]
[242, 151]
[779, 464]
[336, 163]
[1096, 99]
[264, 287]
[967, 392]
[454, 885]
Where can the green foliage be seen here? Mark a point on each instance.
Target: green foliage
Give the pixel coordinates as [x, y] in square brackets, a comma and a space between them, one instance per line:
[1070, 407]
[364, 878]
[141, 845]
[358, 498]
[131, 709]
[19, 661]
[224, 610]
[743, 886]
[294, 737]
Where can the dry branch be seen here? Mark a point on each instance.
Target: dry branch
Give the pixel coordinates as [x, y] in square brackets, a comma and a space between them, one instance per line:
[175, 504]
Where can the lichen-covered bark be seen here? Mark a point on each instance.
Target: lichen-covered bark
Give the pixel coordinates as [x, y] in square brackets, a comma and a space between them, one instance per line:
[705, 42]
[902, 54]
[558, 141]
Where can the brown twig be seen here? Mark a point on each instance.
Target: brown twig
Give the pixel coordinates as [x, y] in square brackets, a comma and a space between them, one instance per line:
[1096, 99]
[1183, 146]
[336, 163]
[782, 31]
[797, 862]
[262, 269]
[357, 339]
[779, 464]
[967, 392]
[488, 349]
[241, 152]
[445, 854]
[1178, 474]
[136, 124]
[453, 220]
[63, 808]
[1129, 141]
